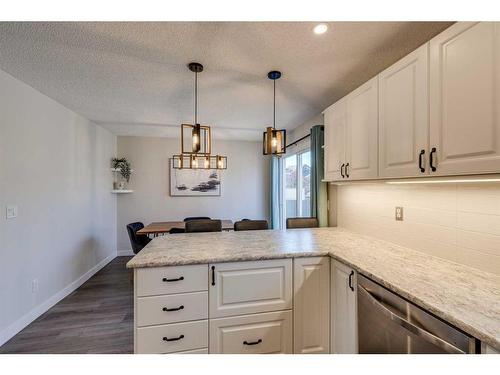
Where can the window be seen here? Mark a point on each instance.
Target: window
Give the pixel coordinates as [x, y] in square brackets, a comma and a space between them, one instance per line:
[296, 186]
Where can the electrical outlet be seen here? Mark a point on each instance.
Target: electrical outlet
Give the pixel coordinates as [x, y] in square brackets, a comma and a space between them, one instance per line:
[11, 212]
[399, 213]
[34, 286]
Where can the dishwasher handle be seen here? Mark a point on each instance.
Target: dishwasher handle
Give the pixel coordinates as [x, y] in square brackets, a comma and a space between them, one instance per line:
[416, 330]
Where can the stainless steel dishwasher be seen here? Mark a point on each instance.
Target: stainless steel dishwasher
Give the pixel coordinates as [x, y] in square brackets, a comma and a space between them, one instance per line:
[388, 323]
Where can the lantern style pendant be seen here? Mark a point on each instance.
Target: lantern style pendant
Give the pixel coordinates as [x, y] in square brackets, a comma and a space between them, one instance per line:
[196, 139]
[274, 140]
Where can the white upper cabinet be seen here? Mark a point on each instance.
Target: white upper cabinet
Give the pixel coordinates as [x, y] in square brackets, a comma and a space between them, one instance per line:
[403, 116]
[362, 132]
[335, 123]
[465, 99]
[434, 112]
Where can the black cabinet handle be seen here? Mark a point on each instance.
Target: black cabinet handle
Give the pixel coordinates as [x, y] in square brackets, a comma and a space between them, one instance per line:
[173, 308]
[346, 170]
[173, 339]
[170, 280]
[253, 342]
[350, 280]
[431, 159]
[421, 161]
[213, 275]
[342, 170]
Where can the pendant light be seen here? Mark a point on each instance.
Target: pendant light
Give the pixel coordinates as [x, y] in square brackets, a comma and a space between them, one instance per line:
[196, 139]
[274, 141]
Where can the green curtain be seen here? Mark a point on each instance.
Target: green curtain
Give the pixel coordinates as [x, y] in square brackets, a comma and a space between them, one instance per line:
[319, 197]
[274, 193]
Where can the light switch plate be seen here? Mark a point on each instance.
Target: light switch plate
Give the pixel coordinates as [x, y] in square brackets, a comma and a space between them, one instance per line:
[11, 212]
[399, 213]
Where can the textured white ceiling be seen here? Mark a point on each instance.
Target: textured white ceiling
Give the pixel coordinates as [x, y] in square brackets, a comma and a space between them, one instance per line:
[132, 77]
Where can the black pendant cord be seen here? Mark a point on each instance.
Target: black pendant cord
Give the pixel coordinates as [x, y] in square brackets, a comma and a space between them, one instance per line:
[274, 104]
[196, 98]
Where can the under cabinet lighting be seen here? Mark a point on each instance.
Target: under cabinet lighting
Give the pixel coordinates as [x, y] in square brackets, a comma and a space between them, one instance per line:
[444, 181]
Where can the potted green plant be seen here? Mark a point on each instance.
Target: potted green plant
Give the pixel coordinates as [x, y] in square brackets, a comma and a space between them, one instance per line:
[122, 166]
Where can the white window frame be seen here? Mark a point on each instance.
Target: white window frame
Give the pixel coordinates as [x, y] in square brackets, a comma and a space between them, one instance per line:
[298, 202]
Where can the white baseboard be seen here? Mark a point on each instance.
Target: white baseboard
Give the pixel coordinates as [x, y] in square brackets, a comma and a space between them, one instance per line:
[125, 253]
[22, 322]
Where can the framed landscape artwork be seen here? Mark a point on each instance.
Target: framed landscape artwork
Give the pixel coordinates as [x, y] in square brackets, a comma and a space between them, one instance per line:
[194, 182]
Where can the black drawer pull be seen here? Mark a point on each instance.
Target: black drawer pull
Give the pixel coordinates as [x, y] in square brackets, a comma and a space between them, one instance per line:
[170, 280]
[213, 275]
[347, 170]
[174, 308]
[342, 170]
[431, 161]
[421, 161]
[174, 339]
[350, 280]
[253, 342]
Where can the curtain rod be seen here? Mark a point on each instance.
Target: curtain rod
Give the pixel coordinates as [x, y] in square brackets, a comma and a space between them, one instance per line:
[301, 139]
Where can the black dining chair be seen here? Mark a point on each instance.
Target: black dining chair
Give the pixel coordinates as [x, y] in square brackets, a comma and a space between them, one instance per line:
[194, 226]
[138, 241]
[247, 224]
[196, 218]
[301, 222]
[176, 230]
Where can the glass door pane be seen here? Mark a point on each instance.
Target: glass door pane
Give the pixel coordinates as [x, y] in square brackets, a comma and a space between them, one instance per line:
[305, 184]
[290, 184]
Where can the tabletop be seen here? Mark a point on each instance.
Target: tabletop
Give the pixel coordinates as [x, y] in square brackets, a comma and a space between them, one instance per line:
[165, 226]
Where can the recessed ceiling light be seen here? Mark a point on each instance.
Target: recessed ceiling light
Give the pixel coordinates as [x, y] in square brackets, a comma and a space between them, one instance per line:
[321, 28]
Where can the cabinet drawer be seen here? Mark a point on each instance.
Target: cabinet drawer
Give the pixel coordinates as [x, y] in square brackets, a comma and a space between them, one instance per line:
[250, 287]
[172, 308]
[195, 351]
[186, 336]
[252, 334]
[170, 280]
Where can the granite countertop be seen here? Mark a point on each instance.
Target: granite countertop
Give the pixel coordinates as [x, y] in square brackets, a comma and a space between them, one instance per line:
[466, 297]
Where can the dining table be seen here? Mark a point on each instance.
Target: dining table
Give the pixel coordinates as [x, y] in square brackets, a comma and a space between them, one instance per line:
[161, 227]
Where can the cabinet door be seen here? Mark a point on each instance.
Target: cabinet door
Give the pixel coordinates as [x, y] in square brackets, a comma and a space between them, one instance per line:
[362, 132]
[344, 334]
[465, 99]
[252, 334]
[311, 305]
[250, 287]
[335, 119]
[403, 116]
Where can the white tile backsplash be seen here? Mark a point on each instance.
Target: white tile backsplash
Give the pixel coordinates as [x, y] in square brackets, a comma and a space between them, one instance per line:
[458, 222]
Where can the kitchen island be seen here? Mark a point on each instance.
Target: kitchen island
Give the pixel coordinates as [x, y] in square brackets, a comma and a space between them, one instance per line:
[452, 292]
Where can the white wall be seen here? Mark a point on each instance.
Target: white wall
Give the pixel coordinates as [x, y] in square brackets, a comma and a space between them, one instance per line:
[303, 130]
[458, 222]
[244, 192]
[54, 165]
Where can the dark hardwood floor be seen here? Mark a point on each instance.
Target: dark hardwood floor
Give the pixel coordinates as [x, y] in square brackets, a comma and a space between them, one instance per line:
[96, 318]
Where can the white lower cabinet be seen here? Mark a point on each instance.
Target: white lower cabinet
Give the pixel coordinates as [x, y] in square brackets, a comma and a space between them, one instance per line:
[194, 351]
[311, 305]
[170, 338]
[172, 308]
[343, 309]
[305, 305]
[250, 287]
[252, 334]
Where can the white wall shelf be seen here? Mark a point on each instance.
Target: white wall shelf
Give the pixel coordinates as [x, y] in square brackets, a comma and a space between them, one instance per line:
[118, 170]
[122, 191]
